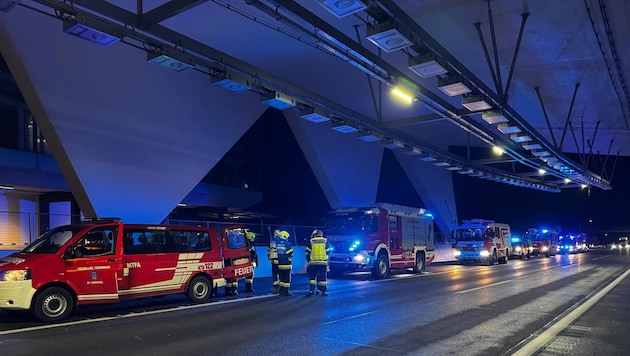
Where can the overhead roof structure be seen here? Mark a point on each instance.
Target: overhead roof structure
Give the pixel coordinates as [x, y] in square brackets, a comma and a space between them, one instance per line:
[544, 82]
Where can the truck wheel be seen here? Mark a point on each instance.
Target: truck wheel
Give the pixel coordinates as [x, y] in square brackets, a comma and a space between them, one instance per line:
[199, 289]
[419, 267]
[53, 304]
[381, 269]
[492, 260]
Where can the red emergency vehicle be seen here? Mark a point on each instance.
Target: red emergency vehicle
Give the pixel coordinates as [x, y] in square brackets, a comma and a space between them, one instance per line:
[107, 261]
[378, 238]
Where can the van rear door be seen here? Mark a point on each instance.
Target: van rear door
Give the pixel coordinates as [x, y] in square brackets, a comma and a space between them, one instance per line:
[236, 255]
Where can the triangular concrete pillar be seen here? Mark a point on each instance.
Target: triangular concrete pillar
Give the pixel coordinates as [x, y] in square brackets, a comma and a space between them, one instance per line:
[131, 138]
[346, 168]
[435, 187]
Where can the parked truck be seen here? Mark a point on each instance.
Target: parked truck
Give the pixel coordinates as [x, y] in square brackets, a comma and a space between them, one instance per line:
[482, 241]
[544, 241]
[379, 238]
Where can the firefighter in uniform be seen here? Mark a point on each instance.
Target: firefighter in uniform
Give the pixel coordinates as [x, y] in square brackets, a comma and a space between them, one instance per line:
[272, 255]
[317, 258]
[285, 256]
[249, 280]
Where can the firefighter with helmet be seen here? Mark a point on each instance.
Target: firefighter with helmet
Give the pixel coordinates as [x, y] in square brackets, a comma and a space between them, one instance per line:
[272, 255]
[317, 257]
[284, 256]
[249, 280]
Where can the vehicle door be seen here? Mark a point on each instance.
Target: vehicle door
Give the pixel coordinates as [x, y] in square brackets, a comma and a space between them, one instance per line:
[93, 265]
[236, 256]
[395, 241]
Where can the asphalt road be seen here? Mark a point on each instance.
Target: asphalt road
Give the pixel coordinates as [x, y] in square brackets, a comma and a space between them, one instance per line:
[535, 306]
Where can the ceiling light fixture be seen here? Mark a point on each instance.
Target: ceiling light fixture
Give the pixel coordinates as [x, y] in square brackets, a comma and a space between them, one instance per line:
[369, 136]
[452, 86]
[343, 127]
[494, 116]
[426, 65]
[174, 60]
[342, 8]
[387, 37]
[234, 82]
[403, 94]
[507, 128]
[6, 187]
[277, 100]
[91, 30]
[475, 102]
[313, 114]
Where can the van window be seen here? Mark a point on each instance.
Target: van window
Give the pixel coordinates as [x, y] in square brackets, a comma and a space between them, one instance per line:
[163, 241]
[51, 241]
[97, 242]
[236, 238]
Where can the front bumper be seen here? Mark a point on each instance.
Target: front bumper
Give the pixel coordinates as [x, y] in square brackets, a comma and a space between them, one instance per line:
[16, 295]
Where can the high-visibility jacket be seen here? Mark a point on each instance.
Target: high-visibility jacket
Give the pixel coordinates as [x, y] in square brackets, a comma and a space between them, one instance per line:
[317, 251]
[284, 250]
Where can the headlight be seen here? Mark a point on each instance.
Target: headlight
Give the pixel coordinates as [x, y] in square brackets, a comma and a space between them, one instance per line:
[544, 249]
[613, 246]
[518, 249]
[484, 253]
[15, 275]
[457, 253]
[358, 258]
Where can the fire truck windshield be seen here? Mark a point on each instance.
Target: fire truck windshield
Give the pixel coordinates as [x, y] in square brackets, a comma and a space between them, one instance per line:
[51, 241]
[472, 234]
[350, 224]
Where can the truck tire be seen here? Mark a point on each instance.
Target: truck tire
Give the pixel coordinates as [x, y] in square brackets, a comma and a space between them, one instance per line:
[419, 266]
[504, 259]
[53, 304]
[492, 260]
[381, 268]
[199, 289]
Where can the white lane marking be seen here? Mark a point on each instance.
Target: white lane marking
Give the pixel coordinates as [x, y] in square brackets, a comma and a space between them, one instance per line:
[541, 340]
[600, 257]
[482, 287]
[132, 315]
[348, 318]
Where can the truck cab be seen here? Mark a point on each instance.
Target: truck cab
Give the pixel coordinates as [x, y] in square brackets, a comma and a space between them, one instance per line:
[479, 240]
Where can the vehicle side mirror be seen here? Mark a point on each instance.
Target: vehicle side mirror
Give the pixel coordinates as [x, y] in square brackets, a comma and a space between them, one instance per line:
[69, 253]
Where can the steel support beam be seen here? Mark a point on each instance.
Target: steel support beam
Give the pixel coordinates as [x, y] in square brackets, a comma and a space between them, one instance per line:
[506, 92]
[542, 104]
[166, 11]
[566, 123]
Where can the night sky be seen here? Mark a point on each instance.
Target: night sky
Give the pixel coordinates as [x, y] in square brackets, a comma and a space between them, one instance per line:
[291, 192]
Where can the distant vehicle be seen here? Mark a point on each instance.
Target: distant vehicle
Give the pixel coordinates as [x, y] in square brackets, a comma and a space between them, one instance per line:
[482, 240]
[621, 244]
[521, 247]
[544, 241]
[379, 238]
[107, 261]
[569, 244]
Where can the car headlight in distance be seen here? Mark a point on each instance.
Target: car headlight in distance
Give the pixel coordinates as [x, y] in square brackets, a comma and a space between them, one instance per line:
[518, 249]
[15, 275]
[359, 258]
[484, 253]
[457, 253]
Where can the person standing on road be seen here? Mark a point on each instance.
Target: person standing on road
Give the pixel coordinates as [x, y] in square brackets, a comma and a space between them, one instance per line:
[272, 255]
[285, 256]
[317, 258]
[249, 280]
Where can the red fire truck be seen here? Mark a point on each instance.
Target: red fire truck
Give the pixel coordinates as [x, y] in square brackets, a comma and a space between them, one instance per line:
[379, 238]
[106, 261]
[544, 241]
[483, 240]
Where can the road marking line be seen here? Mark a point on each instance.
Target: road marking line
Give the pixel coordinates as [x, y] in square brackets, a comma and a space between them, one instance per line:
[541, 340]
[482, 287]
[125, 316]
[348, 318]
